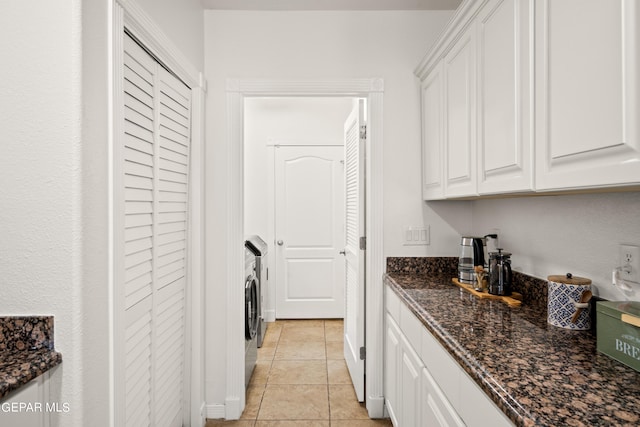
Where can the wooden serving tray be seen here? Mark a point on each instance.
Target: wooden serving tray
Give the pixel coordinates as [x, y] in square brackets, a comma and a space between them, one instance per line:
[513, 300]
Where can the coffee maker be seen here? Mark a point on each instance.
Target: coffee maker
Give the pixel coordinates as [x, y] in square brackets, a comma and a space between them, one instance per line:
[473, 252]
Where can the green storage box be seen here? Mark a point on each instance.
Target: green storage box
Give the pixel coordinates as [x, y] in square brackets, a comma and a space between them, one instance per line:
[618, 331]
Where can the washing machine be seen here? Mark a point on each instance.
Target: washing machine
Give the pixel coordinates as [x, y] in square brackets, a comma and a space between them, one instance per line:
[250, 314]
[260, 248]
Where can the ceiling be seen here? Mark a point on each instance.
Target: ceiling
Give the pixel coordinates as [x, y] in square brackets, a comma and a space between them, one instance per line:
[331, 4]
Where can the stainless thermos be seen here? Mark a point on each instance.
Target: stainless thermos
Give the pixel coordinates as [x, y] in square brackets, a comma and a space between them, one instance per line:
[472, 253]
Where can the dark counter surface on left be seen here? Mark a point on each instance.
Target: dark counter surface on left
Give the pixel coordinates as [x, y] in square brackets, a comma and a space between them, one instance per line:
[26, 350]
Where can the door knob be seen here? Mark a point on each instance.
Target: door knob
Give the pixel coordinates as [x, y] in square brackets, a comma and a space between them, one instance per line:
[280, 242]
[343, 252]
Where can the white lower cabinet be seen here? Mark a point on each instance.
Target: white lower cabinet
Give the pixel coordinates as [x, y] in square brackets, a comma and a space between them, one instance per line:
[391, 372]
[435, 408]
[424, 385]
[28, 406]
[411, 368]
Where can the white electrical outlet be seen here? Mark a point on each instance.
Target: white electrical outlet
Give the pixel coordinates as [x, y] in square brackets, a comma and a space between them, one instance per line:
[630, 263]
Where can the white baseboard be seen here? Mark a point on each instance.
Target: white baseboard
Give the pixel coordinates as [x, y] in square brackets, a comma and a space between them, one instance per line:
[269, 315]
[233, 410]
[229, 411]
[215, 412]
[201, 418]
[375, 407]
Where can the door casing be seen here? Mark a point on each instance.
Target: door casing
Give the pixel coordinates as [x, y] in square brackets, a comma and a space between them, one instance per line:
[372, 90]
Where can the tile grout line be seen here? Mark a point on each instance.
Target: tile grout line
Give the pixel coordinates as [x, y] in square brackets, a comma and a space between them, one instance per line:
[271, 359]
[326, 364]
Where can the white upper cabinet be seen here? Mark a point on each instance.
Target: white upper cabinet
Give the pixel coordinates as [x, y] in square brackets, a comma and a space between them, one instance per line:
[504, 98]
[587, 93]
[460, 116]
[536, 95]
[432, 135]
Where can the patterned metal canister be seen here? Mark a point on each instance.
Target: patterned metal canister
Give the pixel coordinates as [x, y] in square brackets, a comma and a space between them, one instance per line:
[565, 292]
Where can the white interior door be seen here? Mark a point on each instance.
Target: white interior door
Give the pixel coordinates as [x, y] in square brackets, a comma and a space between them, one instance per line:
[309, 217]
[354, 143]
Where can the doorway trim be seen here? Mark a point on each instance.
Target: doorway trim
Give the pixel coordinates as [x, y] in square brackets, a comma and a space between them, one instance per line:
[237, 90]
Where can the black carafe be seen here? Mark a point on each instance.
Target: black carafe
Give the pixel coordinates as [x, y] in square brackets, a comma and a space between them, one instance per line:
[500, 277]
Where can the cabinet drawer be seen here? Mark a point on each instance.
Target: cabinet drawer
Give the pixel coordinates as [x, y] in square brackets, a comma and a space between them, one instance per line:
[411, 327]
[478, 408]
[446, 372]
[392, 304]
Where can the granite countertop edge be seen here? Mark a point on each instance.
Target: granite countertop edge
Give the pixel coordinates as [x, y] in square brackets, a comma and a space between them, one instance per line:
[511, 408]
[26, 350]
[18, 367]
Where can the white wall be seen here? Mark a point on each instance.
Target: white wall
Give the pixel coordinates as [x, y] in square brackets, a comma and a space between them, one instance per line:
[559, 234]
[54, 183]
[325, 45]
[40, 176]
[304, 121]
[182, 21]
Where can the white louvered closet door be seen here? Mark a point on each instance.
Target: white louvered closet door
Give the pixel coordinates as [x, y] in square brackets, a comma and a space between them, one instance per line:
[152, 293]
[354, 141]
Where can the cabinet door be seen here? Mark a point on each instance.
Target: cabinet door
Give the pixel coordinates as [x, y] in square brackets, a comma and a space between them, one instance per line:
[411, 367]
[35, 395]
[432, 135]
[504, 85]
[587, 93]
[435, 408]
[392, 369]
[460, 116]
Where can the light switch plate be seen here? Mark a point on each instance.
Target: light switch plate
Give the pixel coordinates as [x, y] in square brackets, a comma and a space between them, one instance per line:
[416, 236]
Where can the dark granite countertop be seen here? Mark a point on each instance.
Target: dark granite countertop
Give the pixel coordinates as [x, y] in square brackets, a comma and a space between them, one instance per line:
[26, 350]
[536, 373]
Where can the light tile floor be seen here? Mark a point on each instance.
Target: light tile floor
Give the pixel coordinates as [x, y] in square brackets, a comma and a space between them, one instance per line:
[301, 379]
